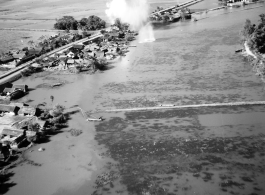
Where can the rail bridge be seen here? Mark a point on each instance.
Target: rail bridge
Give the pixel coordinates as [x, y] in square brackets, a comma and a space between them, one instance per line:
[178, 7]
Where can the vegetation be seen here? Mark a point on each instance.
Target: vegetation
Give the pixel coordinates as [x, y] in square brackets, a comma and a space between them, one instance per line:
[75, 132]
[30, 70]
[254, 35]
[69, 23]
[99, 63]
[66, 23]
[57, 110]
[34, 127]
[91, 23]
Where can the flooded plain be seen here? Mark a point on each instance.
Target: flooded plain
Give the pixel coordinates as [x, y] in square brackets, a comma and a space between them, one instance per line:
[173, 151]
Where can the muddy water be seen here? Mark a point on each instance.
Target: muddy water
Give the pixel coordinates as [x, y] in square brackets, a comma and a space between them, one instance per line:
[188, 151]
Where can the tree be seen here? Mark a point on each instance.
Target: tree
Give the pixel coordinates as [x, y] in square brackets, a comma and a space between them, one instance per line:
[34, 127]
[91, 23]
[66, 23]
[99, 63]
[255, 36]
[248, 29]
[262, 21]
[57, 110]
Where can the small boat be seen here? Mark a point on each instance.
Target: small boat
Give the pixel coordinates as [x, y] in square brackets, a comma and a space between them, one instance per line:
[16, 94]
[239, 50]
[167, 105]
[95, 119]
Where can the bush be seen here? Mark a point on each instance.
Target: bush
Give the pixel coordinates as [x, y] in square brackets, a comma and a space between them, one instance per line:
[100, 63]
[75, 132]
[34, 127]
[91, 23]
[57, 110]
[66, 23]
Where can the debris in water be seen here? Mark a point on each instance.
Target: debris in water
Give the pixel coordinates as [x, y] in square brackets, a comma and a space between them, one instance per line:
[56, 84]
[75, 132]
[41, 149]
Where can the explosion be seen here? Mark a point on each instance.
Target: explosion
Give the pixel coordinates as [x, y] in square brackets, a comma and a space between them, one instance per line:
[135, 13]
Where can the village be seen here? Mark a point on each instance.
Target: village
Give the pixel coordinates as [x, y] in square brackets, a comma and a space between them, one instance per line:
[79, 57]
[21, 125]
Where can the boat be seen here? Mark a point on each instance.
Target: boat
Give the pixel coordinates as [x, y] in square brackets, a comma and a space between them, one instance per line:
[235, 3]
[18, 93]
[95, 119]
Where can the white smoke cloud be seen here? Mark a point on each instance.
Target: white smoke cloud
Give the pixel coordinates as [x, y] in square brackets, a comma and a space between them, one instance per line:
[133, 12]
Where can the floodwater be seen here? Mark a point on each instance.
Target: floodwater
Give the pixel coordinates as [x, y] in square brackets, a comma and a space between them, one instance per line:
[187, 151]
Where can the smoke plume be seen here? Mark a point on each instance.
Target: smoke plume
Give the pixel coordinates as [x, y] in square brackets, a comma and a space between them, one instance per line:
[133, 12]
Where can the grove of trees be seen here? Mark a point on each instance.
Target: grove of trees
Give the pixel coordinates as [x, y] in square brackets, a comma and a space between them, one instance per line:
[255, 34]
[85, 24]
[66, 23]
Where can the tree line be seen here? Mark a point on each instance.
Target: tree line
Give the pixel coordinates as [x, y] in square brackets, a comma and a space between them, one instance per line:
[85, 24]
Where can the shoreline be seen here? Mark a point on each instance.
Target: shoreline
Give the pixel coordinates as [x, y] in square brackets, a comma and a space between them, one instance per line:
[257, 61]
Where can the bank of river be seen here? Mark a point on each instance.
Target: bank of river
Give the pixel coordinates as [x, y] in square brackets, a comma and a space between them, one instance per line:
[189, 151]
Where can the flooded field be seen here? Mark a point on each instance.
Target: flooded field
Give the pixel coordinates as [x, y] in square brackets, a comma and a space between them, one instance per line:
[187, 151]
[182, 152]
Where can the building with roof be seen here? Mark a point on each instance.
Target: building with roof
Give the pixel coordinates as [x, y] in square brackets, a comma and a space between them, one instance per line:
[27, 110]
[78, 46]
[8, 90]
[19, 55]
[70, 55]
[35, 51]
[70, 62]
[25, 88]
[9, 109]
[16, 132]
[100, 54]
[6, 59]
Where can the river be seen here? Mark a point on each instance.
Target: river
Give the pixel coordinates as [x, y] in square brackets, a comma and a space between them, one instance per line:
[188, 151]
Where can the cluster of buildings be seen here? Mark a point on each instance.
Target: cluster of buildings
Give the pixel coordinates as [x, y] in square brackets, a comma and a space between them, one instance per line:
[172, 15]
[237, 3]
[15, 129]
[81, 56]
[21, 123]
[15, 58]
[108, 46]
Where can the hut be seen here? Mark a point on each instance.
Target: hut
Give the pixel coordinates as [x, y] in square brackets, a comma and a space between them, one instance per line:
[16, 132]
[100, 54]
[78, 46]
[9, 109]
[6, 59]
[70, 54]
[19, 55]
[35, 51]
[27, 110]
[70, 62]
[24, 88]
[8, 90]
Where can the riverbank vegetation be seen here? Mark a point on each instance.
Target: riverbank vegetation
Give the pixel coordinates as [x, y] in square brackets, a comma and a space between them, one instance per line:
[254, 34]
[253, 37]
